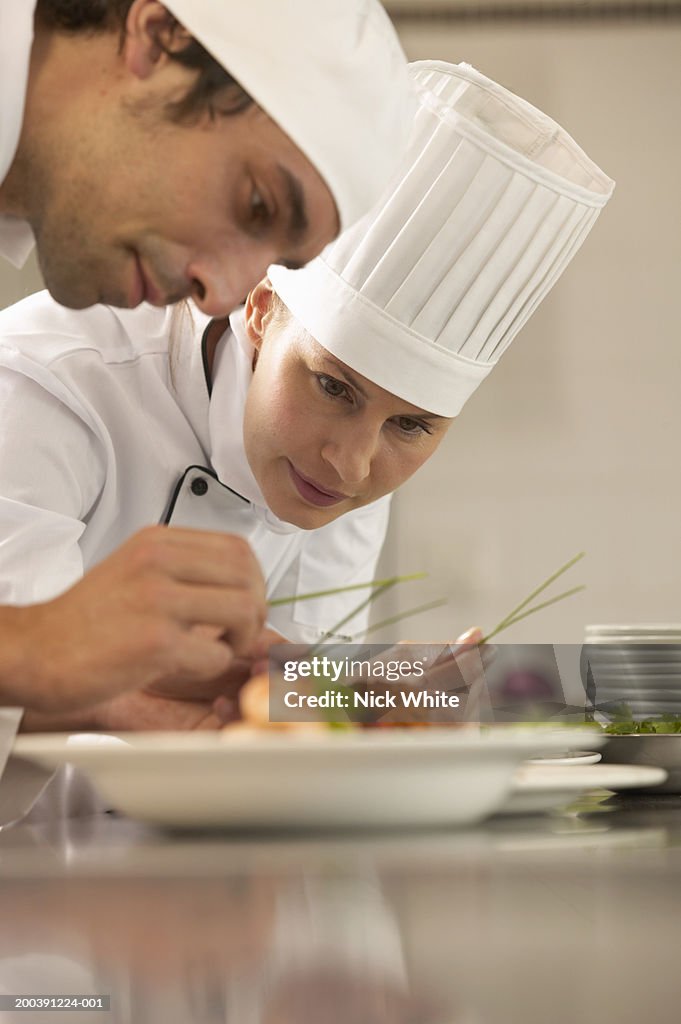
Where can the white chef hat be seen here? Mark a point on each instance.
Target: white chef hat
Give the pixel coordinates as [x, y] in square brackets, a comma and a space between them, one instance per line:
[331, 73]
[491, 202]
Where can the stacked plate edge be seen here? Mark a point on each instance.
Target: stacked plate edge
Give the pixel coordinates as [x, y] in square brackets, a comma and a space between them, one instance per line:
[633, 669]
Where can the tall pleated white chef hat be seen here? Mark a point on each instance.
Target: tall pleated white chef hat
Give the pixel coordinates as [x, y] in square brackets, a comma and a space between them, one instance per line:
[331, 73]
[491, 202]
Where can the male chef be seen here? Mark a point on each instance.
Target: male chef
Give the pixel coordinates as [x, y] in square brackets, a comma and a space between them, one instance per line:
[153, 152]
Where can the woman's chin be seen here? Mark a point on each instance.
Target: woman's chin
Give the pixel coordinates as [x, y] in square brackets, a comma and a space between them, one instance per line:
[302, 515]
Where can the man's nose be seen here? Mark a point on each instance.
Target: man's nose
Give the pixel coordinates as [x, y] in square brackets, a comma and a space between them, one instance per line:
[218, 286]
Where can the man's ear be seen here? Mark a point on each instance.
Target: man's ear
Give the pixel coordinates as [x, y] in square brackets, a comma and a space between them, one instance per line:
[258, 308]
[150, 32]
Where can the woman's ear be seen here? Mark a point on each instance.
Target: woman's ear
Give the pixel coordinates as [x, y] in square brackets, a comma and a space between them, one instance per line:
[150, 32]
[258, 306]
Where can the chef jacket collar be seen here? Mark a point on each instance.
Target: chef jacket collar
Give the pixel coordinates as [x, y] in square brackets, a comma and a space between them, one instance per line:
[231, 378]
[16, 38]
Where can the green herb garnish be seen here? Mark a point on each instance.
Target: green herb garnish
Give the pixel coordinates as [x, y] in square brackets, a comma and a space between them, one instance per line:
[374, 584]
[378, 587]
[521, 611]
[646, 727]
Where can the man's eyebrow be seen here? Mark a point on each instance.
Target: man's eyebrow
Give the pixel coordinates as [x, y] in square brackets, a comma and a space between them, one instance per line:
[298, 223]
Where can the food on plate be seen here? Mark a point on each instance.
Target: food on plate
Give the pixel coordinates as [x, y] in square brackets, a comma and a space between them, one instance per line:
[254, 706]
[320, 706]
[664, 725]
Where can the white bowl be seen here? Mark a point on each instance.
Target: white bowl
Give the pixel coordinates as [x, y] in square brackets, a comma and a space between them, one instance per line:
[414, 777]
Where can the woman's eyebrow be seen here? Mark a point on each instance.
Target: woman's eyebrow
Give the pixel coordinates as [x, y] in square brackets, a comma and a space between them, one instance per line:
[342, 371]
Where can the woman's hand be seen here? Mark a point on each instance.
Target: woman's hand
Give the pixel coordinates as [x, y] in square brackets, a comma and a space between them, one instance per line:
[456, 670]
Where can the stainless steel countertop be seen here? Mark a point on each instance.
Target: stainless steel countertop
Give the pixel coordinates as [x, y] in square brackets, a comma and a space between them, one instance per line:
[570, 918]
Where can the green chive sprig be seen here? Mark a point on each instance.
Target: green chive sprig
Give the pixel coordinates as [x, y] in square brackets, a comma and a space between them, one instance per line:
[389, 582]
[521, 611]
[378, 587]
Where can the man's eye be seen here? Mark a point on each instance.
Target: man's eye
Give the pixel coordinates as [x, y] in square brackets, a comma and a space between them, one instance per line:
[332, 387]
[259, 211]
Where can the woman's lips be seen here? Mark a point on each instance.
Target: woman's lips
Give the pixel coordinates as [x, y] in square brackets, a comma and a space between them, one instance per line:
[311, 492]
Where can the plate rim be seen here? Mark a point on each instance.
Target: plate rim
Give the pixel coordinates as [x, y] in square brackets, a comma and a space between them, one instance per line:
[647, 775]
[368, 741]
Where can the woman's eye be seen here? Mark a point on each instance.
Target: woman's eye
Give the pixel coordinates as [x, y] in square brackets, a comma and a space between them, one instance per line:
[332, 387]
[410, 426]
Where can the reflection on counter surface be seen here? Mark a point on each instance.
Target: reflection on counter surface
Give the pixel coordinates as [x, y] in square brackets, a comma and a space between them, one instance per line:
[569, 918]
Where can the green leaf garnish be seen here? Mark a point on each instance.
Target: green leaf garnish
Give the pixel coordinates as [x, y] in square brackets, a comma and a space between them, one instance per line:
[665, 724]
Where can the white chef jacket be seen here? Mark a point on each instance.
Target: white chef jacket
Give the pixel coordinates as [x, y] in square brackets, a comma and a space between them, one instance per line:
[105, 431]
[96, 441]
[108, 426]
[16, 38]
[16, 237]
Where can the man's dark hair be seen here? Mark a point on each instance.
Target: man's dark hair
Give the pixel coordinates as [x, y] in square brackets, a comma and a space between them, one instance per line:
[212, 79]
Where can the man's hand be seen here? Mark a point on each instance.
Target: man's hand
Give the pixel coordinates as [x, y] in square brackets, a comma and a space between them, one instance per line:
[228, 683]
[143, 711]
[139, 711]
[170, 604]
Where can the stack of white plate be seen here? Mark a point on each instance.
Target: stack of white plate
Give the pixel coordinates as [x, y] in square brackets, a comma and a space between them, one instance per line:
[639, 666]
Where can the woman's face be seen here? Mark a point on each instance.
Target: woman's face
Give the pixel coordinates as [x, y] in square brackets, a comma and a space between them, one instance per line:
[321, 439]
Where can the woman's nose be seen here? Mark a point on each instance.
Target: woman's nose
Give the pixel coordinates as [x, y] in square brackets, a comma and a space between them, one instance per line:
[351, 457]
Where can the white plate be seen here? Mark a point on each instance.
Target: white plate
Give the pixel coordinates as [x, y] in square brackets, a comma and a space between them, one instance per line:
[637, 708]
[539, 788]
[567, 758]
[640, 694]
[649, 663]
[662, 750]
[630, 641]
[634, 629]
[376, 778]
[633, 672]
[660, 686]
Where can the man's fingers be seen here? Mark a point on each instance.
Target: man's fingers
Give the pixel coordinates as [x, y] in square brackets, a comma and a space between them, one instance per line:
[228, 608]
[207, 580]
[236, 614]
[193, 658]
[141, 712]
[197, 556]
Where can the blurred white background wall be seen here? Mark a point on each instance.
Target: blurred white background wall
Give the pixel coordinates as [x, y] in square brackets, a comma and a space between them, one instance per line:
[572, 443]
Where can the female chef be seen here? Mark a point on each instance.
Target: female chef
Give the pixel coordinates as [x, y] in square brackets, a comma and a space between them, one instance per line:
[294, 422]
